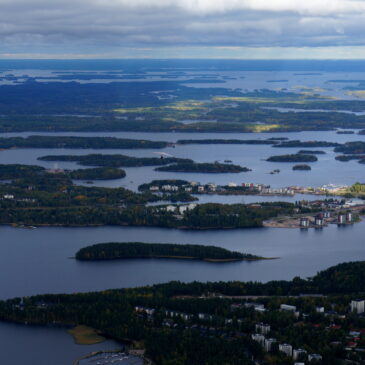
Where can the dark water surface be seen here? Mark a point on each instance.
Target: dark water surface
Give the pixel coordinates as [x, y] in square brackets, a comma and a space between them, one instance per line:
[39, 260]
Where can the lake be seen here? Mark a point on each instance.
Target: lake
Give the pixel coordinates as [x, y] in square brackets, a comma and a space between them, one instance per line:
[252, 156]
[35, 261]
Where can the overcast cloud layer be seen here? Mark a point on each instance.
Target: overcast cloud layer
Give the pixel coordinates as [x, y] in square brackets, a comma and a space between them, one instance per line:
[166, 27]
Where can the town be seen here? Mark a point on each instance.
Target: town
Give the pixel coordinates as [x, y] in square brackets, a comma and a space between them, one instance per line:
[268, 335]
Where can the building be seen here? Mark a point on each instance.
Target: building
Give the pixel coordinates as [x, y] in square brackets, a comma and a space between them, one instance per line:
[288, 308]
[201, 189]
[320, 309]
[262, 328]
[327, 214]
[171, 208]
[314, 357]
[318, 221]
[269, 343]
[349, 216]
[286, 349]
[299, 354]
[258, 338]
[341, 218]
[358, 306]
[304, 222]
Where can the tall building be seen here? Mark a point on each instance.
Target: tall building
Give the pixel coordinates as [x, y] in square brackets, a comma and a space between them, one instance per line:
[286, 349]
[358, 306]
[299, 354]
[262, 328]
[314, 357]
[269, 342]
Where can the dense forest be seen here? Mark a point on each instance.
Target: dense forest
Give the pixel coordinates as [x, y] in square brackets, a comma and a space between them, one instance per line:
[351, 148]
[128, 250]
[102, 173]
[201, 323]
[305, 144]
[299, 157]
[228, 141]
[302, 167]
[312, 152]
[216, 167]
[36, 173]
[77, 142]
[114, 160]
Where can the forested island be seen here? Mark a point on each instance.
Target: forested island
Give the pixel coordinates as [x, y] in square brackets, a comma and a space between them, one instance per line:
[352, 148]
[228, 141]
[302, 167]
[215, 321]
[133, 250]
[299, 157]
[345, 158]
[115, 160]
[78, 142]
[216, 168]
[297, 143]
[312, 152]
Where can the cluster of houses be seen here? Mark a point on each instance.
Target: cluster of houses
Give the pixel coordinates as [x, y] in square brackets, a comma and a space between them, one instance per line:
[321, 219]
[197, 188]
[262, 330]
[12, 197]
[178, 209]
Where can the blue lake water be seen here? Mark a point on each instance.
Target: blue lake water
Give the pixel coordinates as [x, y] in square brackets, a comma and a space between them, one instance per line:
[252, 156]
[39, 261]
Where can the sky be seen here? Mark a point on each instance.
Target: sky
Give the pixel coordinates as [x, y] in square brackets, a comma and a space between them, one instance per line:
[240, 29]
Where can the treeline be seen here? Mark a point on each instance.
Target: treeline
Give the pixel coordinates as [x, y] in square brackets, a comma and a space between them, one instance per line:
[78, 142]
[203, 168]
[297, 143]
[352, 148]
[35, 174]
[228, 141]
[212, 340]
[13, 171]
[299, 157]
[127, 250]
[98, 173]
[114, 160]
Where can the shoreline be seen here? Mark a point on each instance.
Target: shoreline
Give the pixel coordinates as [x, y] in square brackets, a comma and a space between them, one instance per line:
[212, 260]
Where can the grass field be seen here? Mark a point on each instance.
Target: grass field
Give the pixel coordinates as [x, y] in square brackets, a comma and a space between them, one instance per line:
[84, 335]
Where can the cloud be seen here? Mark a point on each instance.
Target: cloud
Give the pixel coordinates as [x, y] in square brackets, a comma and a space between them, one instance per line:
[109, 26]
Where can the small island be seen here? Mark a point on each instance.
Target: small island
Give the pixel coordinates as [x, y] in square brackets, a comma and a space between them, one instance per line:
[213, 168]
[302, 167]
[297, 143]
[227, 141]
[352, 148]
[346, 158]
[345, 132]
[134, 250]
[299, 157]
[311, 152]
